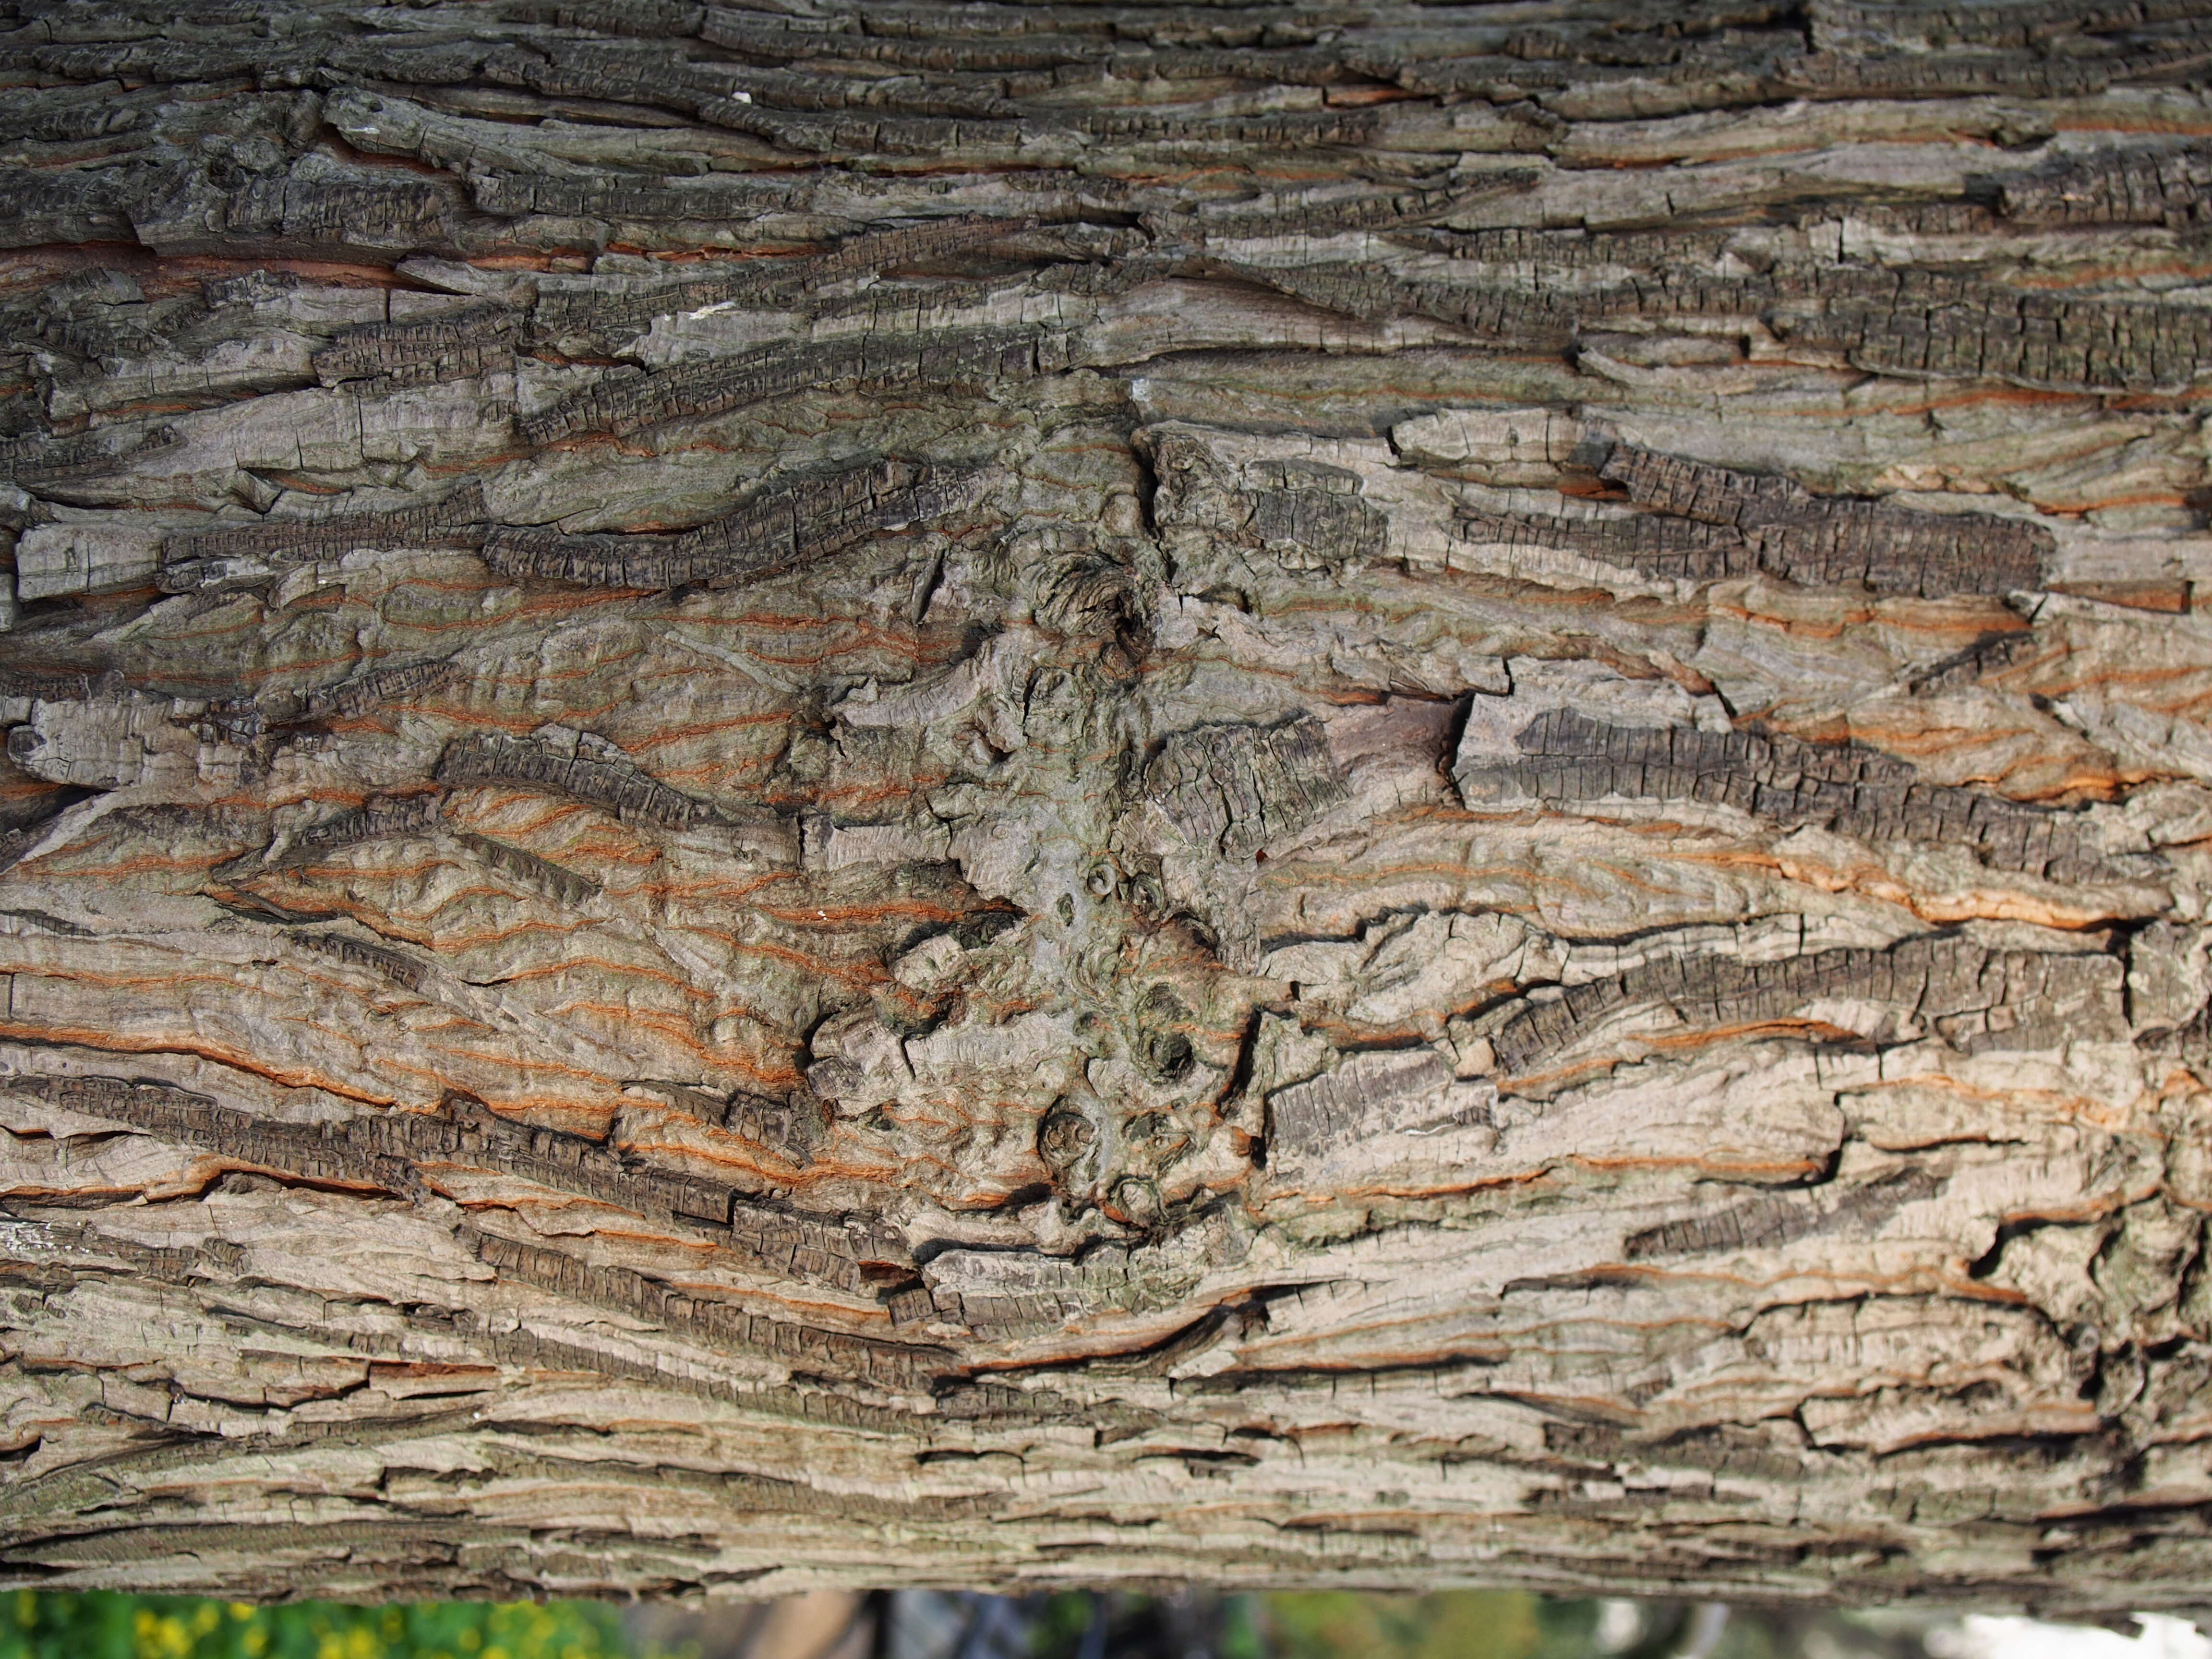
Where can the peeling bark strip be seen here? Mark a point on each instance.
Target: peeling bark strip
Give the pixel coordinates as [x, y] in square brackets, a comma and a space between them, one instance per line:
[787, 524]
[1847, 788]
[565, 886]
[610, 781]
[395, 965]
[1790, 533]
[592, 311]
[410, 354]
[809, 1350]
[1513, 893]
[1975, 999]
[42, 459]
[1947, 327]
[394, 1150]
[1771, 1222]
[2161, 186]
[215, 558]
[629, 402]
[351, 698]
[1992, 654]
[373, 819]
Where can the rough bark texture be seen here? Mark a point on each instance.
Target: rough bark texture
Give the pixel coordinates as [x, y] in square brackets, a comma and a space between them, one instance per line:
[1048, 794]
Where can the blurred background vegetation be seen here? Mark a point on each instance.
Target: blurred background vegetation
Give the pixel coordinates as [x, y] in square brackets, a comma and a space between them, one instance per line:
[933, 1624]
[44, 1624]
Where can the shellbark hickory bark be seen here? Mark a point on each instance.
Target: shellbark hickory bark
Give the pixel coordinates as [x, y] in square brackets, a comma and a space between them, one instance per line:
[1038, 796]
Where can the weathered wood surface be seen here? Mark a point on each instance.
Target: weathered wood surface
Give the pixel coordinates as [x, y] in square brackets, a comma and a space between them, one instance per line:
[1028, 794]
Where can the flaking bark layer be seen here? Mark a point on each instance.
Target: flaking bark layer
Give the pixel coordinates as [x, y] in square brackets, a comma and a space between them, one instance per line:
[1046, 795]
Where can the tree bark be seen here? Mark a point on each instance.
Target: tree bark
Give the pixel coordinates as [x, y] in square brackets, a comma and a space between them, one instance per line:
[1029, 795]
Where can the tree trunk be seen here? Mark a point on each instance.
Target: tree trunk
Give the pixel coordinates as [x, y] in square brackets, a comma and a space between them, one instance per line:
[1030, 795]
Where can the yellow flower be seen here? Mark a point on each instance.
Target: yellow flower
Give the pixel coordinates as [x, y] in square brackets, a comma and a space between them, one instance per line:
[162, 1635]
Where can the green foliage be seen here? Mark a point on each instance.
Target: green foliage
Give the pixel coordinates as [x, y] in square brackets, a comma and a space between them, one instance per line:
[1058, 1623]
[43, 1624]
[1451, 1625]
[1244, 1631]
